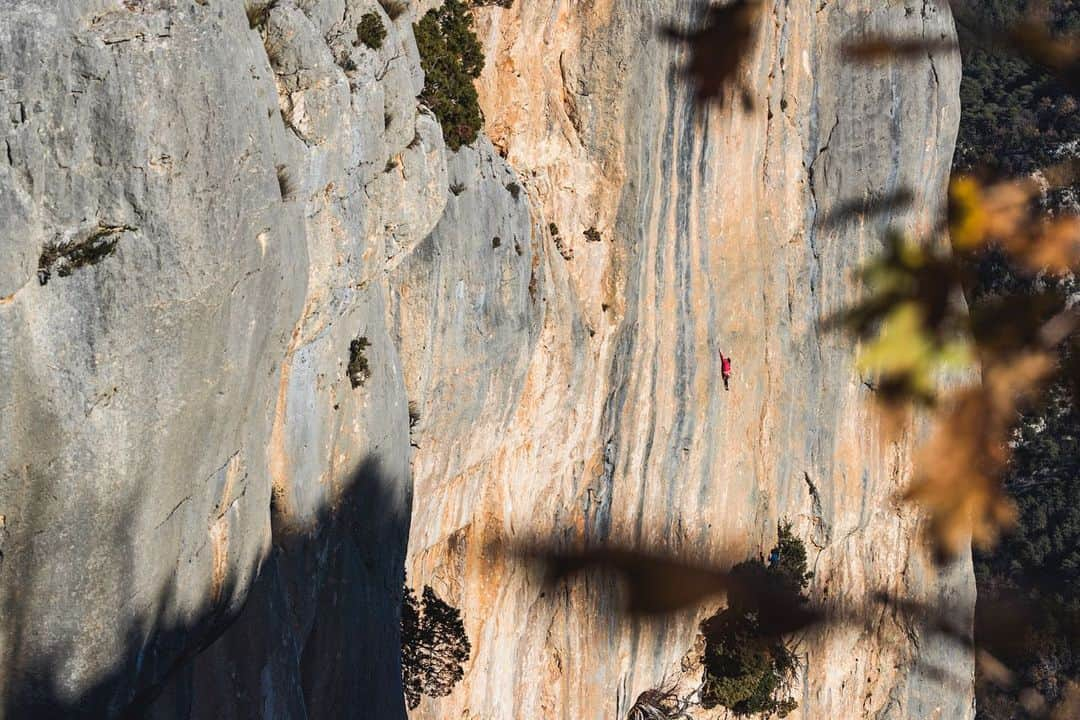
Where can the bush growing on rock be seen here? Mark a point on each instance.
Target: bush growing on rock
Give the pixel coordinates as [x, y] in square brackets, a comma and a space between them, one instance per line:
[370, 31]
[748, 670]
[433, 646]
[66, 258]
[452, 58]
[359, 370]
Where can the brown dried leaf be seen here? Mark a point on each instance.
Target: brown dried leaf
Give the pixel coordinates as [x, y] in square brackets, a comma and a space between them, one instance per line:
[726, 36]
[654, 583]
[979, 214]
[1005, 325]
[1003, 213]
[1053, 246]
[1069, 707]
[958, 472]
[657, 584]
[1060, 56]
[881, 47]
[993, 670]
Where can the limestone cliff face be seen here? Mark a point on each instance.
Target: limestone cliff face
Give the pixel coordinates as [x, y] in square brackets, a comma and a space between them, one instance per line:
[232, 259]
[618, 428]
[178, 416]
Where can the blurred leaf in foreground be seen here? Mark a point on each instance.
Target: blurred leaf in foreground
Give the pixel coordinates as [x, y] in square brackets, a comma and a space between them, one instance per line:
[958, 471]
[655, 583]
[725, 36]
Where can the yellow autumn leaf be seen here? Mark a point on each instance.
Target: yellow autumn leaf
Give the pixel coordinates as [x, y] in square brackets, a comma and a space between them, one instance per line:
[900, 347]
[967, 218]
[903, 348]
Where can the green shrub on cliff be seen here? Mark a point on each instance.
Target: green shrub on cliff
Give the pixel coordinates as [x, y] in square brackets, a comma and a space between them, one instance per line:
[749, 670]
[371, 31]
[452, 58]
[433, 646]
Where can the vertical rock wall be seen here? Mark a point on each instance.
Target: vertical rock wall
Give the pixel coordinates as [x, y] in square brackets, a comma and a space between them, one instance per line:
[179, 416]
[618, 427]
[204, 511]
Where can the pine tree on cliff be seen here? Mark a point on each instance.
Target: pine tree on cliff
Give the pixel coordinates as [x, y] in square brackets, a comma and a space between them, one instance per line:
[433, 646]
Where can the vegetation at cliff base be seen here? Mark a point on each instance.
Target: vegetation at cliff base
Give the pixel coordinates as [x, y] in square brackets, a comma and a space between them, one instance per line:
[1017, 120]
[452, 59]
[433, 646]
[749, 669]
[1017, 117]
[660, 703]
[1038, 564]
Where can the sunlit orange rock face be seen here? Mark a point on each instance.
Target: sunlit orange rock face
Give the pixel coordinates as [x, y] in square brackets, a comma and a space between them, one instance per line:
[210, 482]
[576, 397]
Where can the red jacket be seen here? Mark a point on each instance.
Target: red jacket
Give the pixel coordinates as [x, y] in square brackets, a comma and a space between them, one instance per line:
[725, 364]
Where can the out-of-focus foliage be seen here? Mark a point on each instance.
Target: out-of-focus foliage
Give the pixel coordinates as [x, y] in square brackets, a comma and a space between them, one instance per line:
[1006, 214]
[860, 208]
[655, 583]
[914, 326]
[718, 44]
[1039, 561]
[912, 321]
[958, 471]
[1044, 552]
[1020, 120]
[887, 48]
[1017, 249]
[774, 597]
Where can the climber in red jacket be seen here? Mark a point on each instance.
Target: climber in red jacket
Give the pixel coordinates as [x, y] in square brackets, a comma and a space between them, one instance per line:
[725, 368]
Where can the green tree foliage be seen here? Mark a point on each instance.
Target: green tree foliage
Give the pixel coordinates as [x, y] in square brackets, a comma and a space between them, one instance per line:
[788, 561]
[1015, 117]
[1039, 562]
[748, 669]
[1042, 556]
[371, 31]
[452, 59]
[433, 646]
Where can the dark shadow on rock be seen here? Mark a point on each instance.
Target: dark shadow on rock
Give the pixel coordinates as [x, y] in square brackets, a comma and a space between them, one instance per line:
[317, 635]
[41, 651]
